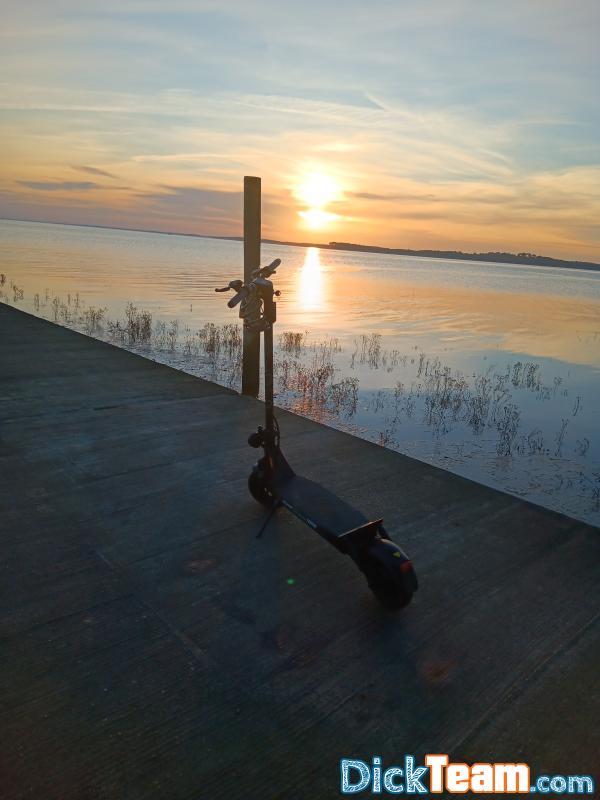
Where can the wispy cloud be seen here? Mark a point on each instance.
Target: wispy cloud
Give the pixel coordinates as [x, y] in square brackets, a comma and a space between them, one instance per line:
[214, 211]
[450, 123]
[59, 186]
[94, 171]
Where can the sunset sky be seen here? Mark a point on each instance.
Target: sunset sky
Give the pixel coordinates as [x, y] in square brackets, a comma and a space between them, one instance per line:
[455, 124]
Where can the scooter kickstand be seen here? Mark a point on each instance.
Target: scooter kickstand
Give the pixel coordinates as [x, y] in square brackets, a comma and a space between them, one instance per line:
[272, 510]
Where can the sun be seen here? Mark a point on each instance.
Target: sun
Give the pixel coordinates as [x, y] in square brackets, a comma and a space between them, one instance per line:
[316, 217]
[317, 190]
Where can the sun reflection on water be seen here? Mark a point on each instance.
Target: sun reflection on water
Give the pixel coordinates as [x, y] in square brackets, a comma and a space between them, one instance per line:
[310, 290]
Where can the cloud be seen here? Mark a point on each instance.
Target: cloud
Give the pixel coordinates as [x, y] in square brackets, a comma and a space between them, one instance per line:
[60, 186]
[471, 114]
[94, 171]
[392, 198]
[201, 209]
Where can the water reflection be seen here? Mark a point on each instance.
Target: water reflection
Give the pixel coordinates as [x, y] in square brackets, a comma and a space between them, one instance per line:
[461, 318]
[310, 289]
[488, 370]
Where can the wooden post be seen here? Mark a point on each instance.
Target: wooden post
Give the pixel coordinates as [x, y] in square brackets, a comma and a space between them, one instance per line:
[251, 361]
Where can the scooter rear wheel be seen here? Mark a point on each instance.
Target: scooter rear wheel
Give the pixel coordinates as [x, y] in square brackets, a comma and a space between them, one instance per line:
[389, 573]
[258, 488]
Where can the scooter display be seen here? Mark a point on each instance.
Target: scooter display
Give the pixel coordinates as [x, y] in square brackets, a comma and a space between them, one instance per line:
[273, 483]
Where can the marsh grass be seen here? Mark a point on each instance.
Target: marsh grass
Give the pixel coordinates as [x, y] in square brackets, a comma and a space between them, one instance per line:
[306, 379]
[370, 350]
[560, 437]
[220, 340]
[138, 324]
[508, 427]
[310, 381]
[292, 343]
[92, 320]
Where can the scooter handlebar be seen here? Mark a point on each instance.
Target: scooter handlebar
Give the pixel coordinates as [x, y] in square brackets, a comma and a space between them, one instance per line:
[241, 289]
[266, 272]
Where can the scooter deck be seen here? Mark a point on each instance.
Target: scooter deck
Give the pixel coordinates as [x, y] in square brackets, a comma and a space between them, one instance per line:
[325, 512]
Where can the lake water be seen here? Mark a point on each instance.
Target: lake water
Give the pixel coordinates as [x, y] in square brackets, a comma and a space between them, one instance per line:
[489, 370]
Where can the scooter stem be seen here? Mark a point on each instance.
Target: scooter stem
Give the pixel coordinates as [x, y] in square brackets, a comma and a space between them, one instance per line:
[268, 346]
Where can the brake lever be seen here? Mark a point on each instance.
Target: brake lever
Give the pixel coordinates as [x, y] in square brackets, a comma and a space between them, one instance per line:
[235, 285]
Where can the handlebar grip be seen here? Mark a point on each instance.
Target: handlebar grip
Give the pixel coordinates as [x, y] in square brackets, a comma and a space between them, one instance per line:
[235, 285]
[266, 272]
[237, 298]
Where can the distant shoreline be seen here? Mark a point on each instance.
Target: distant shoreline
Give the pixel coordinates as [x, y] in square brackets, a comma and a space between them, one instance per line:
[527, 259]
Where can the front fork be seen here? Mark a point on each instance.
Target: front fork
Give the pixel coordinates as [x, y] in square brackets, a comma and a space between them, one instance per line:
[273, 460]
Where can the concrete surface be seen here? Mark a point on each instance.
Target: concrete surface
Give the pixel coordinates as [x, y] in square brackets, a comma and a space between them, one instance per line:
[151, 647]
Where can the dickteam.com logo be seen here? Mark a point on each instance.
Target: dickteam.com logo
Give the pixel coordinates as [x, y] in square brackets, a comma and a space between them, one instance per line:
[439, 775]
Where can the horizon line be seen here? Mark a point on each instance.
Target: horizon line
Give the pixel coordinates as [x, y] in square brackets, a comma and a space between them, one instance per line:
[350, 246]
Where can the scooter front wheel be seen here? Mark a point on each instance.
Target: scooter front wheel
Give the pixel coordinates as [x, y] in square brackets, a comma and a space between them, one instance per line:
[389, 573]
[258, 487]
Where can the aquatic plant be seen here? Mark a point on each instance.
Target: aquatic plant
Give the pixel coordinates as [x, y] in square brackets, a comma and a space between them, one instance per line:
[342, 397]
[560, 437]
[292, 342]
[172, 335]
[508, 426]
[370, 350]
[138, 324]
[93, 319]
[482, 408]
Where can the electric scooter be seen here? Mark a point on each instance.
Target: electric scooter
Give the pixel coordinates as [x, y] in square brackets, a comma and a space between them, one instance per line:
[273, 483]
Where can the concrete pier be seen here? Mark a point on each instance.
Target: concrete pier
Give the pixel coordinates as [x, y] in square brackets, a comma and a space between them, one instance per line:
[152, 647]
